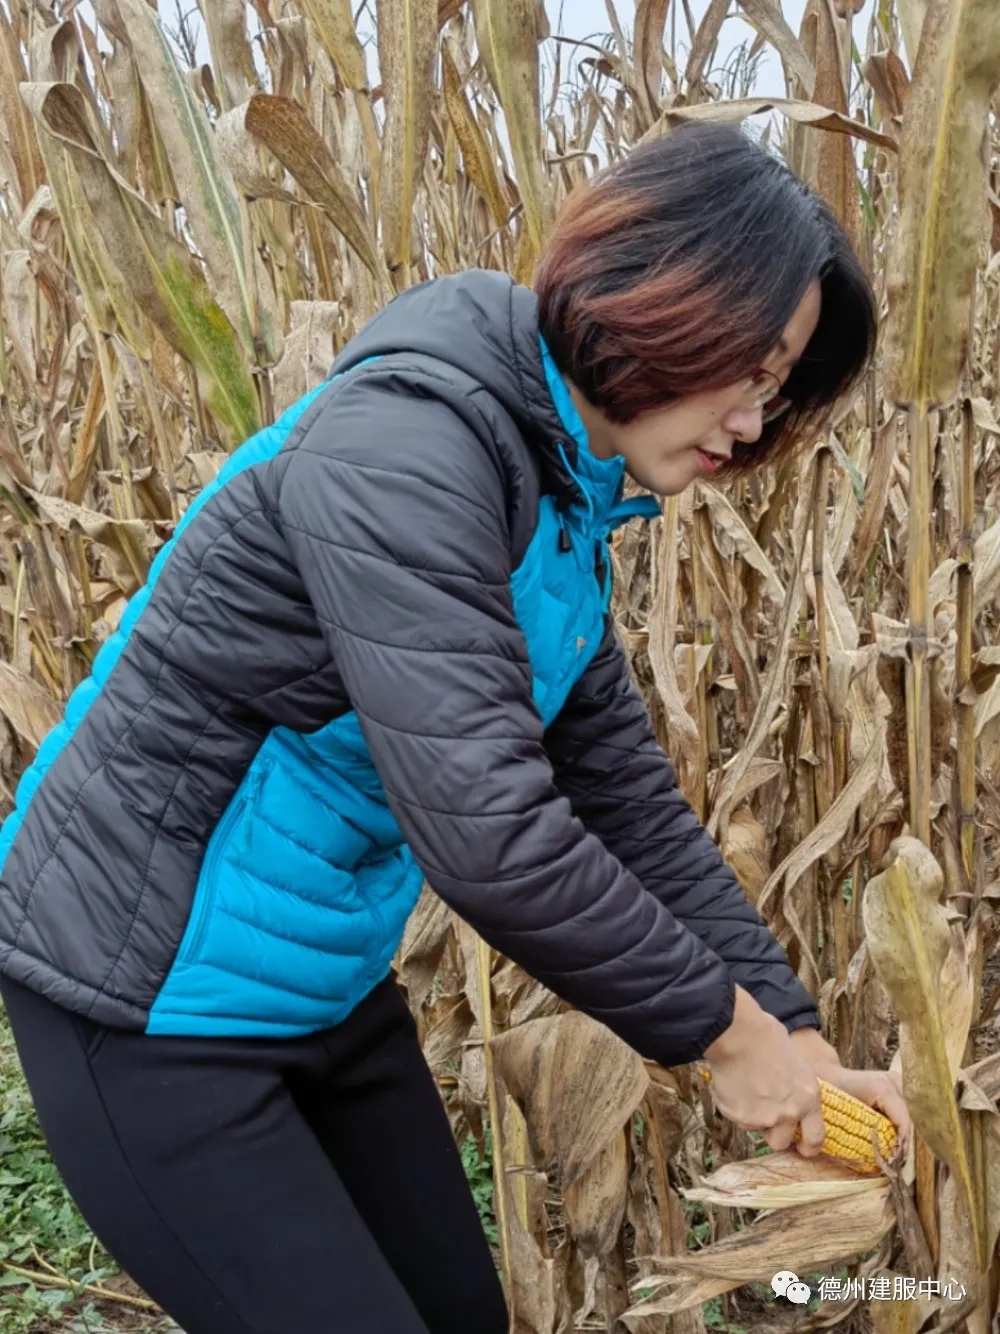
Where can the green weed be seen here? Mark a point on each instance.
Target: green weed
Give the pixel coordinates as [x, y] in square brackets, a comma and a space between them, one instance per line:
[479, 1173]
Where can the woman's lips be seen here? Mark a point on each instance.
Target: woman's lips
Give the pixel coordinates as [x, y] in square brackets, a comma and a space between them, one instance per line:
[707, 463]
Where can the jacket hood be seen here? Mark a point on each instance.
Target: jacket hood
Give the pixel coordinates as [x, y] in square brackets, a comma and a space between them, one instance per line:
[486, 325]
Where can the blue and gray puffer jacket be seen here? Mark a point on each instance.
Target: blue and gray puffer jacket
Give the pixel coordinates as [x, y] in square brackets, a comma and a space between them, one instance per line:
[378, 649]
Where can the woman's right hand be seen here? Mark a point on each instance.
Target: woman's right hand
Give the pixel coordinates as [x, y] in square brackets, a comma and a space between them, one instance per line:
[760, 1081]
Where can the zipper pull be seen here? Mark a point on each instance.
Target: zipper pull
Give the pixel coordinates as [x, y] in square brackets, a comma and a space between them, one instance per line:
[249, 801]
[565, 541]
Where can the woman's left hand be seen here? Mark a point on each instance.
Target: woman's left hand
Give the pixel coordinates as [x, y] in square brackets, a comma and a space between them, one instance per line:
[881, 1089]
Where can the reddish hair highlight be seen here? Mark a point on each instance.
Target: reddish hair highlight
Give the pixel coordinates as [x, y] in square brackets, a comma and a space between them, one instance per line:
[676, 270]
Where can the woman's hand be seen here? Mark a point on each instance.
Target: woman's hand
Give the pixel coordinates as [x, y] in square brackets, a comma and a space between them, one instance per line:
[762, 1081]
[882, 1089]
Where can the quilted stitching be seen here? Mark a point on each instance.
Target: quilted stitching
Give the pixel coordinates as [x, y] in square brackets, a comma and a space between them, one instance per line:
[560, 607]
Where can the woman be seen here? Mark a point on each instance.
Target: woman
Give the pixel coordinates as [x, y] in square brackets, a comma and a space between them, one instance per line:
[378, 649]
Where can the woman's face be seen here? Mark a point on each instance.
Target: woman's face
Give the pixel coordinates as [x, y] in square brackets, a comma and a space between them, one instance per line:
[667, 449]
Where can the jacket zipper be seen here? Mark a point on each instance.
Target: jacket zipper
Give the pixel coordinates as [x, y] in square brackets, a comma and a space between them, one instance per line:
[600, 568]
[250, 799]
[380, 938]
[205, 899]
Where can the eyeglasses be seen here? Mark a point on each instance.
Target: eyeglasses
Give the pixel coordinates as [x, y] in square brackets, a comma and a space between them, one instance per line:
[765, 393]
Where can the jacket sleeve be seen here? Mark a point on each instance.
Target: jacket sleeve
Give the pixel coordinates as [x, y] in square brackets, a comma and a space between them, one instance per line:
[398, 529]
[623, 788]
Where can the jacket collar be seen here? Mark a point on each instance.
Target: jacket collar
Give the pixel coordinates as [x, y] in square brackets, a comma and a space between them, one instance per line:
[598, 483]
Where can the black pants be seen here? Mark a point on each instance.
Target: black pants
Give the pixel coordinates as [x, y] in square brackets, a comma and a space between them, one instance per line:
[305, 1186]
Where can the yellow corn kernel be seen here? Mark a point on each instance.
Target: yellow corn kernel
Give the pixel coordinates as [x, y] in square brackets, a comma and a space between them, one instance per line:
[848, 1122]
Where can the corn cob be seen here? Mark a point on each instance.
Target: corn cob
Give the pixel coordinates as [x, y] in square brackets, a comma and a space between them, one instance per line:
[848, 1122]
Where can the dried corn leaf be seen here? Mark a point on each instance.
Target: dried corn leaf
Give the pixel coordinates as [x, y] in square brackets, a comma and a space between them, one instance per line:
[507, 33]
[87, 441]
[956, 997]
[287, 131]
[733, 534]
[836, 169]
[706, 39]
[650, 22]
[662, 624]
[210, 203]
[232, 60]
[407, 33]
[767, 18]
[759, 772]
[576, 1083]
[448, 1022]
[799, 1238]
[477, 959]
[741, 652]
[477, 158]
[909, 940]
[832, 828]
[160, 271]
[15, 116]
[780, 1181]
[20, 295]
[889, 81]
[127, 541]
[472, 1075]
[422, 945]
[803, 113]
[687, 1295]
[982, 415]
[132, 326]
[771, 691]
[957, 1260]
[905, 1316]
[254, 168]
[986, 568]
[932, 264]
[309, 350]
[54, 54]
[594, 1204]
[334, 22]
[877, 483]
[912, 15]
[842, 628]
[205, 465]
[690, 661]
[745, 849]
[538, 1295]
[30, 709]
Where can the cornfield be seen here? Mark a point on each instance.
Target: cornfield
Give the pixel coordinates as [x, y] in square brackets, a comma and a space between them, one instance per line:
[184, 247]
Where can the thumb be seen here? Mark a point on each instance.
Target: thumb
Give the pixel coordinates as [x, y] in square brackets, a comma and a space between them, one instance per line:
[813, 1133]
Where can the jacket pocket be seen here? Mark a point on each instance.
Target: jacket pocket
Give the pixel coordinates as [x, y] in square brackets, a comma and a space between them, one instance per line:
[236, 823]
[93, 1039]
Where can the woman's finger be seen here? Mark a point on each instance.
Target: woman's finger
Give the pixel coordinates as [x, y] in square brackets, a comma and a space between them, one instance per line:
[780, 1136]
[813, 1133]
[891, 1103]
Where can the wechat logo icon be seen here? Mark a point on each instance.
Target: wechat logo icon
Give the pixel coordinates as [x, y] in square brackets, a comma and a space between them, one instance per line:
[787, 1284]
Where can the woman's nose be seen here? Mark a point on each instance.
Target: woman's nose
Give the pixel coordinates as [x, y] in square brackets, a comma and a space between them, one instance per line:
[745, 424]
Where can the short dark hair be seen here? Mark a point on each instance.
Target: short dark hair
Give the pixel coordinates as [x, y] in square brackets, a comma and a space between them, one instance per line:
[677, 269]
